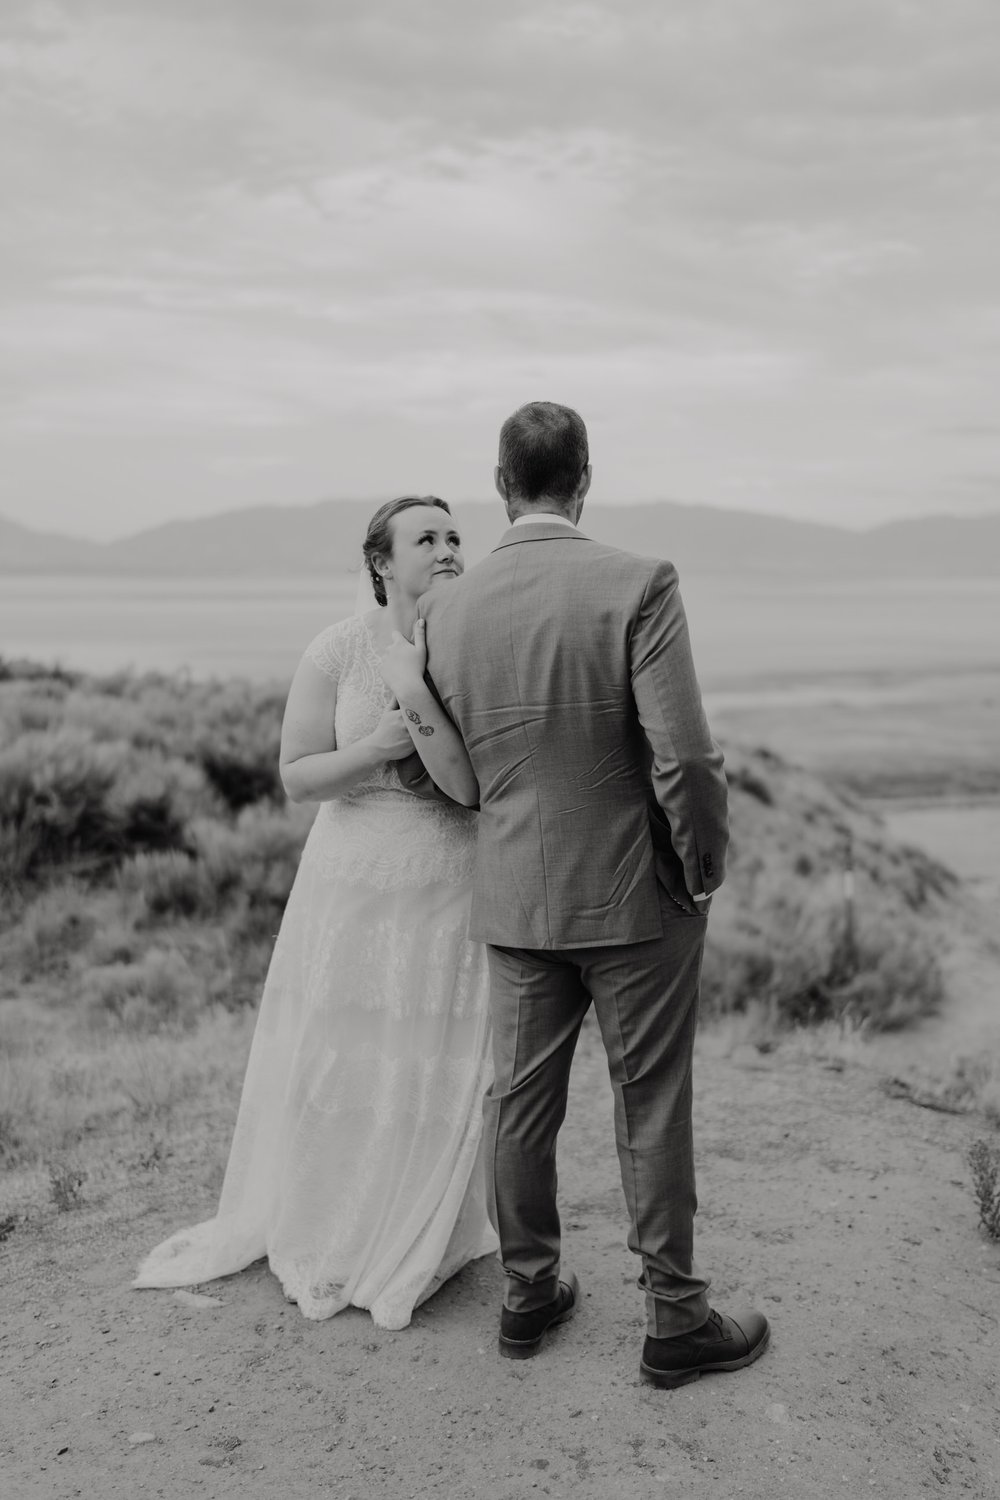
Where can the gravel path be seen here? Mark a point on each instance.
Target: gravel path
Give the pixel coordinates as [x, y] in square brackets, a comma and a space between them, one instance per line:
[845, 1214]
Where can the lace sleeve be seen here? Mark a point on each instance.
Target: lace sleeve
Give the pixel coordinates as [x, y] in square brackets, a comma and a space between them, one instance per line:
[330, 649]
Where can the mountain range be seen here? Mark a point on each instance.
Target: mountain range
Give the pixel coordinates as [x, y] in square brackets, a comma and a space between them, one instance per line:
[283, 541]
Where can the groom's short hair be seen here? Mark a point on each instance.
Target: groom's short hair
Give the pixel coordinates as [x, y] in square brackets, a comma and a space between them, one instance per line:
[543, 451]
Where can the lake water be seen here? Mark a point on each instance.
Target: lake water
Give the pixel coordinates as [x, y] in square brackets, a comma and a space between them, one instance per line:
[746, 632]
[776, 660]
[964, 836]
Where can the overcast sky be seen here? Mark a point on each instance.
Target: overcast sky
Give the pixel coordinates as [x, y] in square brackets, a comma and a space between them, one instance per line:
[279, 250]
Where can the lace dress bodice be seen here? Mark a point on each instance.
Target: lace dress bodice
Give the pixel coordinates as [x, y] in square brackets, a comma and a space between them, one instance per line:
[346, 653]
[379, 833]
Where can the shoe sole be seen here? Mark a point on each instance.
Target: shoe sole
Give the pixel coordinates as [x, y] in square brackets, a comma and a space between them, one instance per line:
[669, 1380]
[525, 1348]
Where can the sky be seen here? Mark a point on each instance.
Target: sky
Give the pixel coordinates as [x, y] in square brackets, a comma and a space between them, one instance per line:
[275, 251]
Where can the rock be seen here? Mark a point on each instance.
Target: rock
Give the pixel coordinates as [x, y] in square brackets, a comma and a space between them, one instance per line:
[142, 1437]
[778, 1412]
[197, 1299]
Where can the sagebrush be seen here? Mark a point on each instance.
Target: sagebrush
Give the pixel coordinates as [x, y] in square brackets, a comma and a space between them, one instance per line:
[146, 854]
[984, 1161]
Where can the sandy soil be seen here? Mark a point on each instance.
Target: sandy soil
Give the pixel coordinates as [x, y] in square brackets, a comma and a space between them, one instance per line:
[844, 1213]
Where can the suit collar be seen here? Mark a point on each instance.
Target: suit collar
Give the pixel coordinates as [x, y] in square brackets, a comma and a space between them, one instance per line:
[540, 531]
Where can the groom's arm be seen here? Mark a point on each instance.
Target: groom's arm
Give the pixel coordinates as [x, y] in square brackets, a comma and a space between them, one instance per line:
[412, 772]
[416, 779]
[688, 779]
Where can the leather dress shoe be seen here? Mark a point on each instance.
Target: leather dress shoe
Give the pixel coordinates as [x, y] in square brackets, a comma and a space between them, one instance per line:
[521, 1332]
[721, 1343]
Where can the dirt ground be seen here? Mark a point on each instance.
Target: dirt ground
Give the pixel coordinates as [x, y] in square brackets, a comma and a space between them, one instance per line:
[844, 1213]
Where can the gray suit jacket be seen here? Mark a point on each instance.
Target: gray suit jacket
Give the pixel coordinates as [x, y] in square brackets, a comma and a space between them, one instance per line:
[567, 668]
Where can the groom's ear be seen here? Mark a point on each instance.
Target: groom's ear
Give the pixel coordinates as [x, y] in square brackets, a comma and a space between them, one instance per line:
[500, 484]
[582, 488]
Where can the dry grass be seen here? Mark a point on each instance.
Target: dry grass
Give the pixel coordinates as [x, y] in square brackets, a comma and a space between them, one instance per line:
[968, 1084]
[91, 1103]
[838, 1043]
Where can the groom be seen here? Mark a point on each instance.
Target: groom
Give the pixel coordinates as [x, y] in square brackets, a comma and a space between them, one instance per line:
[567, 668]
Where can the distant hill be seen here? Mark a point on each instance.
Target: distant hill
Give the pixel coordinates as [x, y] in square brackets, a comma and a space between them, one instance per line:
[276, 541]
[25, 551]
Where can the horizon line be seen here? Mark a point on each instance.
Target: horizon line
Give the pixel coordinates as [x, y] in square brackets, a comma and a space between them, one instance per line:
[482, 501]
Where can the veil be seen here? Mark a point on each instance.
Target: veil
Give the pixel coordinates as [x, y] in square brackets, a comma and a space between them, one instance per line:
[364, 599]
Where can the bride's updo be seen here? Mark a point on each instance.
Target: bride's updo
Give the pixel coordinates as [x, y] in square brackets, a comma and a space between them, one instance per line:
[378, 542]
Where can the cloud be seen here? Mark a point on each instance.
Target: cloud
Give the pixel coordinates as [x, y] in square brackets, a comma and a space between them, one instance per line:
[754, 242]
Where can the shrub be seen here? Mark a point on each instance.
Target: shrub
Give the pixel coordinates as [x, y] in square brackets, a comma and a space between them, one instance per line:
[881, 973]
[257, 857]
[54, 788]
[752, 783]
[243, 873]
[239, 780]
[103, 715]
[896, 978]
[68, 801]
[26, 707]
[171, 883]
[55, 926]
[115, 942]
[736, 971]
[156, 992]
[19, 669]
[984, 1161]
[160, 796]
[269, 845]
[154, 799]
[807, 966]
[919, 876]
[66, 1185]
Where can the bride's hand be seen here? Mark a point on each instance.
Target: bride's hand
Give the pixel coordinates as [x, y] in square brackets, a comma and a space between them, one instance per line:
[390, 737]
[404, 663]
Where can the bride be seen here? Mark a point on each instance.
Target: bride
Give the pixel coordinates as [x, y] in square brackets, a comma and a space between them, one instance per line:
[355, 1165]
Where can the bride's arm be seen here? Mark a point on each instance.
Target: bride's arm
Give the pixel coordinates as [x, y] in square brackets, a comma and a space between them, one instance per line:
[312, 768]
[434, 736]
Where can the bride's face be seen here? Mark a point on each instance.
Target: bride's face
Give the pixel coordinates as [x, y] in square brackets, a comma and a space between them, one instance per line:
[426, 548]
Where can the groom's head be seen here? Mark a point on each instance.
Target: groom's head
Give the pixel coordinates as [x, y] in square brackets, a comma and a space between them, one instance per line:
[544, 461]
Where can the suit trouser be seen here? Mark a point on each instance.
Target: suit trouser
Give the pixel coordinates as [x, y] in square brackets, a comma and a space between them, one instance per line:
[646, 999]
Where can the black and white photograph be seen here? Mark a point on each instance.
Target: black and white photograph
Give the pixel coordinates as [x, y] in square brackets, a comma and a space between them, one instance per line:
[499, 750]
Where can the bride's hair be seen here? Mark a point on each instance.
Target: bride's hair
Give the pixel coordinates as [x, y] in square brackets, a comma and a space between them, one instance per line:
[378, 541]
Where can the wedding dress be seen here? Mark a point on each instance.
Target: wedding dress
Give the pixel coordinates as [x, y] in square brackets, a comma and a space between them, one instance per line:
[356, 1164]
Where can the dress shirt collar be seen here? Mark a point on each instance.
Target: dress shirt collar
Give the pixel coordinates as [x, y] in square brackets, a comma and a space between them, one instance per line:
[549, 517]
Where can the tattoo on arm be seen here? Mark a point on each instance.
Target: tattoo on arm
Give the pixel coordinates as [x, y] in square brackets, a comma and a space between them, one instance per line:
[414, 718]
